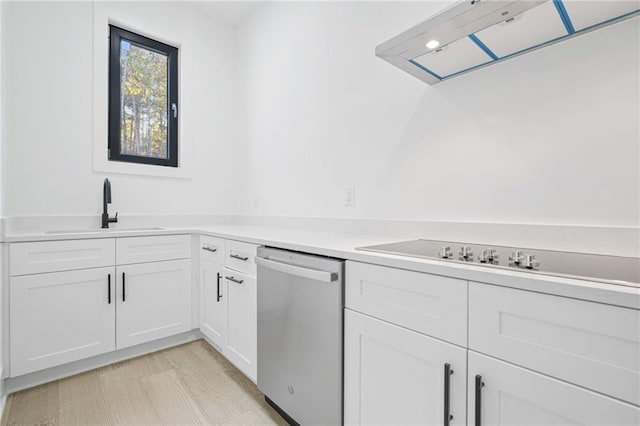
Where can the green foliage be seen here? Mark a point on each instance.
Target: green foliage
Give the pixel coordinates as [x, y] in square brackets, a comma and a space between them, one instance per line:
[143, 103]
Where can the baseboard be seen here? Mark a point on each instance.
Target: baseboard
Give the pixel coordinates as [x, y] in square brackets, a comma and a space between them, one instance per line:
[3, 393]
[213, 345]
[37, 378]
[221, 351]
[3, 404]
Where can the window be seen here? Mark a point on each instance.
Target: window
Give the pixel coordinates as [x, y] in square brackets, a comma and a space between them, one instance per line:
[143, 99]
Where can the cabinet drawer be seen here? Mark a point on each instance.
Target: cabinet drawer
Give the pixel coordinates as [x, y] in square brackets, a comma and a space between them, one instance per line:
[212, 249]
[589, 344]
[426, 303]
[152, 249]
[241, 257]
[53, 256]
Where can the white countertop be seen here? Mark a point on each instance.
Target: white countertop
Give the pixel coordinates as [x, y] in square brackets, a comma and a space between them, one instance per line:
[342, 245]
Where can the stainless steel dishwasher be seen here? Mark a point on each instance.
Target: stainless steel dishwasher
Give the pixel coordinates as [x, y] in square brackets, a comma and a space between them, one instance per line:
[300, 334]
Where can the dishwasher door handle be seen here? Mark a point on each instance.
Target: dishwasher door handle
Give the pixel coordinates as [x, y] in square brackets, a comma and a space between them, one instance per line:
[312, 274]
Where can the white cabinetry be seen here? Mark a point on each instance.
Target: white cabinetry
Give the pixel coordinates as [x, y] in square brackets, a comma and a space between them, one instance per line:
[503, 394]
[213, 302]
[152, 249]
[430, 304]
[395, 376]
[228, 301]
[212, 249]
[66, 255]
[242, 339]
[539, 359]
[95, 306]
[61, 317]
[589, 344]
[397, 368]
[241, 257]
[154, 301]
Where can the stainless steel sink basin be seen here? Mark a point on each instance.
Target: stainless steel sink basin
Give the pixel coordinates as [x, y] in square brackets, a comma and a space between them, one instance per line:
[84, 231]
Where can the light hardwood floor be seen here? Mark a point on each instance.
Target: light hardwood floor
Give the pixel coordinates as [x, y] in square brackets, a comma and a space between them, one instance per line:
[188, 384]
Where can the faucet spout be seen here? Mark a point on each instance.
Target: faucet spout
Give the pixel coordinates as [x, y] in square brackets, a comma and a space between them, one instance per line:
[106, 195]
[106, 200]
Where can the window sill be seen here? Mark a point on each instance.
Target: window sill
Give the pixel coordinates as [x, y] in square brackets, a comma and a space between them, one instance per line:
[103, 165]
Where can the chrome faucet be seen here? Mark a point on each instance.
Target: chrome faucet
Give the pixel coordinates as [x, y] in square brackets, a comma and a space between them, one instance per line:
[106, 199]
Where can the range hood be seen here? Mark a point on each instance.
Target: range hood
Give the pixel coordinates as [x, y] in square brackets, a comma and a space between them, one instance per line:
[473, 34]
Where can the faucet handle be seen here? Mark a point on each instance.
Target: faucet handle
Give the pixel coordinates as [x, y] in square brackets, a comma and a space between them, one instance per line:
[114, 219]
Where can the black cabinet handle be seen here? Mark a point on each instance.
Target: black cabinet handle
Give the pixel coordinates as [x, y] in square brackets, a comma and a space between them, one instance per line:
[235, 280]
[109, 288]
[237, 256]
[447, 391]
[218, 292]
[123, 298]
[479, 386]
[211, 249]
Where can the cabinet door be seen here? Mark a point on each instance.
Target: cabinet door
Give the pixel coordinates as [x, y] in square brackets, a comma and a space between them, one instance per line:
[154, 301]
[510, 395]
[242, 339]
[213, 302]
[61, 317]
[395, 376]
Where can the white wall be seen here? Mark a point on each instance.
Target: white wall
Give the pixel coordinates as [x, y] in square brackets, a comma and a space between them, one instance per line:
[2, 85]
[3, 345]
[48, 64]
[551, 137]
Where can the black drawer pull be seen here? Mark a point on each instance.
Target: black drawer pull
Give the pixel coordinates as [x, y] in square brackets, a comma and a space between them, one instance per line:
[218, 295]
[235, 280]
[237, 256]
[211, 249]
[479, 386]
[447, 391]
[123, 298]
[109, 288]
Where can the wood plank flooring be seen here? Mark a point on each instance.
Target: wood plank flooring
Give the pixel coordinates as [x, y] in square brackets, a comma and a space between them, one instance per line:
[190, 384]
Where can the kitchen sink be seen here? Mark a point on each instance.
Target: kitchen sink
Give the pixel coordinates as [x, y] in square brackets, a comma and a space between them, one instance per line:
[84, 231]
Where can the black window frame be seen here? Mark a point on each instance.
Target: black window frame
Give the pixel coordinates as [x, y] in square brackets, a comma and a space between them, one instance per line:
[116, 35]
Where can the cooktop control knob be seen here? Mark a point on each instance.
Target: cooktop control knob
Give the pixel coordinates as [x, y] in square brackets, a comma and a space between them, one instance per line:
[516, 258]
[530, 262]
[488, 256]
[466, 253]
[445, 252]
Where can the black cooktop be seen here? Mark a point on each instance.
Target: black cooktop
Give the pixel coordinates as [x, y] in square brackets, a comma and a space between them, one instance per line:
[609, 269]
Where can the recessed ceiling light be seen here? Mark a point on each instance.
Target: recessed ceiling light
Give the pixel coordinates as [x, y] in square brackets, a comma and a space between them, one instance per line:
[432, 44]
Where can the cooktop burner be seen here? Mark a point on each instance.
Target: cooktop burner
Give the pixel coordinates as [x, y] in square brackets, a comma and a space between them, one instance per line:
[609, 269]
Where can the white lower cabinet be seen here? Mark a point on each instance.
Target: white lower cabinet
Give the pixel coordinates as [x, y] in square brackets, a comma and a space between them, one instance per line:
[57, 317]
[228, 313]
[242, 338]
[503, 394]
[61, 317]
[154, 301]
[589, 344]
[395, 376]
[213, 302]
